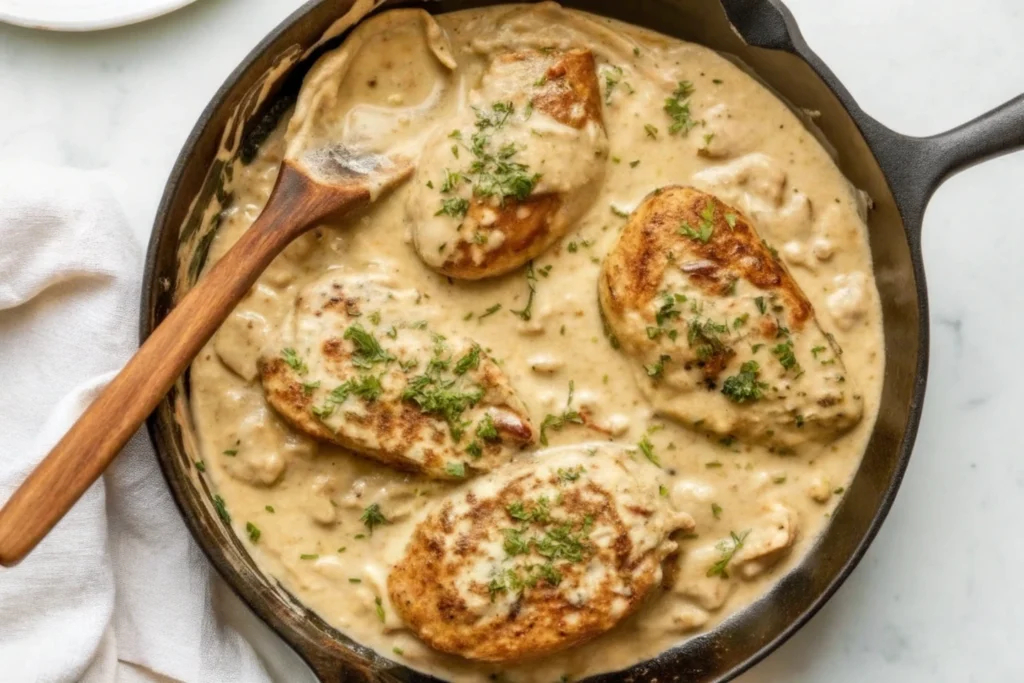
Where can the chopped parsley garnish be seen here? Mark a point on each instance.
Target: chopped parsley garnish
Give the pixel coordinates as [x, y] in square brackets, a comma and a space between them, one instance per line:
[368, 350]
[761, 306]
[309, 556]
[354, 580]
[309, 387]
[471, 361]
[514, 543]
[780, 479]
[560, 543]
[571, 474]
[816, 350]
[380, 608]
[647, 448]
[456, 469]
[701, 234]
[231, 452]
[678, 109]
[254, 532]
[200, 466]
[490, 311]
[531, 282]
[619, 212]
[703, 338]
[558, 540]
[366, 387]
[728, 549]
[436, 396]
[784, 352]
[451, 181]
[398, 651]
[372, 517]
[744, 387]
[612, 77]
[730, 220]
[716, 510]
[557, 422]
[539, 511]
[652, 131]
[512, 581]
[663, 490]
[667, 311]
[706, 229]
[492, 173]
[486, 430]
[269, 508]
[475, 449]
[222, 510]
[445, 396]
[291, 357]
[657, 369]
[456, 207]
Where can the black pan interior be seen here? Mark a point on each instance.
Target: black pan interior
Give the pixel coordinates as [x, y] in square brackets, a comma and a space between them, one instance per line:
[749, 635]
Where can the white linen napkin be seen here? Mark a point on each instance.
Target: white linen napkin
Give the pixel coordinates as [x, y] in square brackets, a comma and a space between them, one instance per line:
[118, 591]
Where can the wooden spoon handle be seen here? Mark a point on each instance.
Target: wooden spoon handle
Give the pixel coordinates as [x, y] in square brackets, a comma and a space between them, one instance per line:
[91, 444]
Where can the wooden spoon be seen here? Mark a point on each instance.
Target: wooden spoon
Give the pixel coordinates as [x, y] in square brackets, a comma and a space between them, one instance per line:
[342, 180]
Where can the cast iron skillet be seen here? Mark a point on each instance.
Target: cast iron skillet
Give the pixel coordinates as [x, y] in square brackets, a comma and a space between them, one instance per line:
[899, 172]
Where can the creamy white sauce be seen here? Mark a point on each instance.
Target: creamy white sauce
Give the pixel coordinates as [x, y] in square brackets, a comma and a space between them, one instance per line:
[306, 498]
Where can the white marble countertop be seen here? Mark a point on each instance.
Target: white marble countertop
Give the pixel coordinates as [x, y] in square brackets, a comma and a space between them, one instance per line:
[937, 597]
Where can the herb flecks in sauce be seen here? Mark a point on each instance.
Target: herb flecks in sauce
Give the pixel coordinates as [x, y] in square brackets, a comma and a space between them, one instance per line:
[745, 386]
[372, 517]
[728, 549]
[566, 417]
[678, 109]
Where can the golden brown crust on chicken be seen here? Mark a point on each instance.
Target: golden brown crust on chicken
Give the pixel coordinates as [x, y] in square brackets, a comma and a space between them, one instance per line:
[351, 371]
[652, 242]
[496, 234]
[569, 91]
[537, 557]
[726, 339]
[525, 228]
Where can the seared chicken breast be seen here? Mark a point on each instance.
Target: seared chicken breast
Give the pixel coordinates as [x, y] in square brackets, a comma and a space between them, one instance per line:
[723, 338]
[538, 556]
[352, 368]
[521, 166]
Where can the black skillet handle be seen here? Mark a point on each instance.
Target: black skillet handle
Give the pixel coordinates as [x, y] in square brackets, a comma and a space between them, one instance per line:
[914, 166]
[917, 166]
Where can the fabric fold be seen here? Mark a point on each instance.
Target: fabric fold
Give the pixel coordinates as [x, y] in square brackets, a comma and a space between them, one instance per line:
[119, 590]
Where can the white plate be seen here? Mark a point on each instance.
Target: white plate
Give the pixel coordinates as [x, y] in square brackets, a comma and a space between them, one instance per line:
[83, 15]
